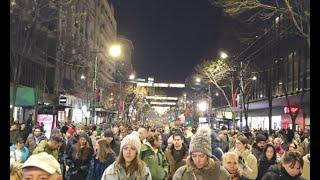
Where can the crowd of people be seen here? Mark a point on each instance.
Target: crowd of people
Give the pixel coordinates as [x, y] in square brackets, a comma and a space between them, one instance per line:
[123, 151]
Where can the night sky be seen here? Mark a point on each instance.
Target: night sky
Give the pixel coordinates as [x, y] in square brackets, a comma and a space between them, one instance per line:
[170, 37]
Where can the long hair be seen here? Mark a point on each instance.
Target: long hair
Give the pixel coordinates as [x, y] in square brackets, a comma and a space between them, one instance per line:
[103, 150]
[82, 153]
[135, 166]
[274, 157]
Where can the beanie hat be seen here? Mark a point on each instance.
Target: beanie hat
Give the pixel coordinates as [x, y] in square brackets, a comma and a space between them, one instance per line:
[201, 141]
[260, 137]
[108, 133]
[84, 135]
[133, 140]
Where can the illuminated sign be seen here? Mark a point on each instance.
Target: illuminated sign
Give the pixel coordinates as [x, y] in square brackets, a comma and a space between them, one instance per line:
[162, 98]
[294, 109]
[162, 103]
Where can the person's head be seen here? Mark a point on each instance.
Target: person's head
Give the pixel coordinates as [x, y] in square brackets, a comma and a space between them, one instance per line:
[270, 140]
[292, 147]
[55, 142]
[79, 128]
[143, 133]
[103, 148]
[155, 139]
[19, 143]
[41, 166]
[261, 140]
[37, 131]
[16, 171]
[220, 136]
[230, 162]
[129, 149]
[292, 162]
[242, 143]
[200, 147]
[70, 132]
[277, 142]
[108, 135]
[269, 152]
[177, 140]
[22, 126]
[83, 139]
[115, 130]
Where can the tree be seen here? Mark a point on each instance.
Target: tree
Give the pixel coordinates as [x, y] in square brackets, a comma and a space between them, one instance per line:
[256, 15]
[221, 73]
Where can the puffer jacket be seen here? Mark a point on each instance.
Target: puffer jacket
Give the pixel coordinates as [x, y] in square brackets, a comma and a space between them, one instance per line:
[251, 162]
[114, 172]
[157, 162]
[212, 171]
[276, 172]
[173, 164]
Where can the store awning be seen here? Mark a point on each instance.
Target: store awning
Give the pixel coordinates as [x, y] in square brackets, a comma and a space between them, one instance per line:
[25, 96]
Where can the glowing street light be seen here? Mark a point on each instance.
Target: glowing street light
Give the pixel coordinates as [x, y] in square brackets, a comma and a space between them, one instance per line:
[223, 55]
[217, 94]
[132, 76]
[198, 80]
[82, 77]
[254, 78]
[202, 106]
[115, 50]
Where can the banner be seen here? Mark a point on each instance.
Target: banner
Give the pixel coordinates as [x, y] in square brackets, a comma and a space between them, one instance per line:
[47, 120]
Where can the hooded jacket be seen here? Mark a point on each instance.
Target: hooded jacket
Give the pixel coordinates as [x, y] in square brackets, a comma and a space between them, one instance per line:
[276, 172]
[157, 162]
[173, 164]
[212, 171]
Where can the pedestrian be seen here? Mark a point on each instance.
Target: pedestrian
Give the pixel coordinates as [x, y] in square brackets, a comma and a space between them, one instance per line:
[103, 159]
[18, 152]
[112, 141]
[128, 164]
[143, 134]
[200, 162]
[14, 132]
[51, 146]
[23, 132]
[278, 148]
[35, 138]
[289, 167]
[248, 164]
[154, 157]
[78, 158]
[220, 141]
[41, 166]
[230, 162]
[258, 146]
[267, 159]
[176, 154]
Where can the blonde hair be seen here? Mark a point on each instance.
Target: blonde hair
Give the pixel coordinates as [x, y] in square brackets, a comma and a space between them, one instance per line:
[16, 170]
[229, 154]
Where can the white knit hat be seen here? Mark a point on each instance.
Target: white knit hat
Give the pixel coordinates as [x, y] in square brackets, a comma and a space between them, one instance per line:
[133, 140]
[201, 141]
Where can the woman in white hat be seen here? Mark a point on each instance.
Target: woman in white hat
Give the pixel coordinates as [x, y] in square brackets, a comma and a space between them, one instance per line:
[128, 165]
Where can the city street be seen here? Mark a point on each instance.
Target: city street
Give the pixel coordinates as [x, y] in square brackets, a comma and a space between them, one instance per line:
[105, 71]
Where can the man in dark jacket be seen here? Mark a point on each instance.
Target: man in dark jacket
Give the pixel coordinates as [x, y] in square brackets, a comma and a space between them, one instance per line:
[112, 140]
[176, 154]
[258, 146]
[220, 142]
[23, 133]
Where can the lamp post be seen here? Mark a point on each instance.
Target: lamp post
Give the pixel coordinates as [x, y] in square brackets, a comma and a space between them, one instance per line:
[114, 51]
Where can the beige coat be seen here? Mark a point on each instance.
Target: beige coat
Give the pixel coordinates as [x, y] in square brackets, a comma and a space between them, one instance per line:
[306, 167]
[252, 171]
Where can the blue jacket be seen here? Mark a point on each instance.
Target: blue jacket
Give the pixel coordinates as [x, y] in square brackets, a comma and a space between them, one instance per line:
[24, 153]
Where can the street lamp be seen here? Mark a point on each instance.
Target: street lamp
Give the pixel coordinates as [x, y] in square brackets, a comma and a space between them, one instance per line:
[132, 76]
[114, 51]
[82, 77]
[223, 55]
[202, 106]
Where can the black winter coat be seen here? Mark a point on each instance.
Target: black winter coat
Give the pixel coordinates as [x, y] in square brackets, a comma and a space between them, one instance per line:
[275, 172]
[263, 167]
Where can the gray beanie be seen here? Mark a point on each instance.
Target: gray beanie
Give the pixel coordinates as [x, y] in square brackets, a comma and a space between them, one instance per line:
[201, 141]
